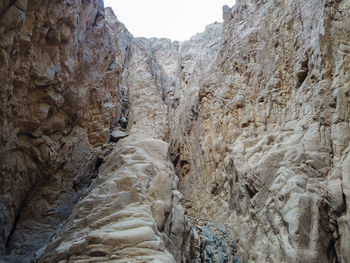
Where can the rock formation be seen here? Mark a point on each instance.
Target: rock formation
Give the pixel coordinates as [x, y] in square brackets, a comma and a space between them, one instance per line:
[268, 143]
[59, 98]
[232, 146]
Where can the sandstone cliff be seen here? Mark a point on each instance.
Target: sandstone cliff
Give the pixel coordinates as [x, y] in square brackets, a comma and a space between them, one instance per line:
[232, 146]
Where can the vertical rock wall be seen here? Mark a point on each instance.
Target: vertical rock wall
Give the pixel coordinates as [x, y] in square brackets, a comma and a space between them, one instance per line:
[255, 111]
[59, 98]
[131, 212]
[266, 153]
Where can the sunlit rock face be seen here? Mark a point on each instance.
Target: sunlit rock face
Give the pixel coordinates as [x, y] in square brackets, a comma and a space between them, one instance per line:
[232, 146]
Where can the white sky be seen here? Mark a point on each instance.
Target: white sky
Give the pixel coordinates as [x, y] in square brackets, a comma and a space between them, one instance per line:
[174, 19]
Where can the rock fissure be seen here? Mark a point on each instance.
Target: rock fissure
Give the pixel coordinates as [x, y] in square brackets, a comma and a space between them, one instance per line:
[232, 146]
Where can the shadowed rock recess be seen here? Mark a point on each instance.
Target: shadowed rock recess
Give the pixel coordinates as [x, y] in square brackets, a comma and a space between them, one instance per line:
[233, 146]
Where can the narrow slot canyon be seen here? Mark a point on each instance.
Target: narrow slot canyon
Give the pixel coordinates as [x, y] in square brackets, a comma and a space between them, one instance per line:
[232, 146]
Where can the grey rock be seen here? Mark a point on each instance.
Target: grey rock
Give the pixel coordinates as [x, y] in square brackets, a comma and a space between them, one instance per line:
[116, 135]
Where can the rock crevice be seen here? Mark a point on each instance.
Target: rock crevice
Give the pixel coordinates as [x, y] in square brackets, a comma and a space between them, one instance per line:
[232, 146]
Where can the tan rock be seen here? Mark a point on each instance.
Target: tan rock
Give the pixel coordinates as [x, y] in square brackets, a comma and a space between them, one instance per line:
[252, 113]
[53, 87]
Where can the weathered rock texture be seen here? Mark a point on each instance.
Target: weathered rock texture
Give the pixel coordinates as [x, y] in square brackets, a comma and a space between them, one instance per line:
[58, 101]
[131, 213]
[265, 148]
[252, 114]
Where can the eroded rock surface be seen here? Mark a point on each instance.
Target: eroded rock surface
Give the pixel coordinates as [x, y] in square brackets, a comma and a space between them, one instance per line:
[59, 99]
[252, 115]
[267, 150]
[132, 211]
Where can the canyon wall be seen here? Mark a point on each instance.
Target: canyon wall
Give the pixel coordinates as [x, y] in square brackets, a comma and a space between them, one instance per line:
[59, 99]
[131, 212]
[232, 146]
[265, 147]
